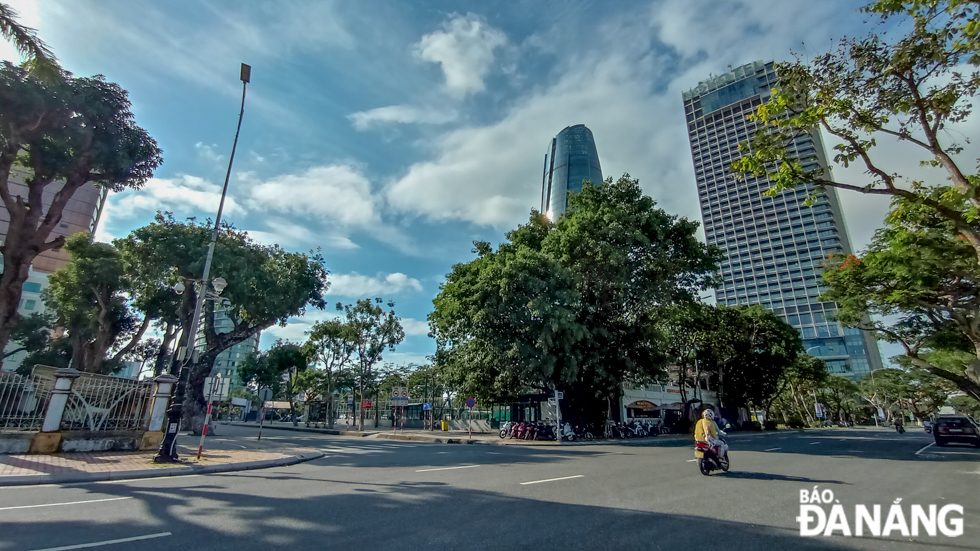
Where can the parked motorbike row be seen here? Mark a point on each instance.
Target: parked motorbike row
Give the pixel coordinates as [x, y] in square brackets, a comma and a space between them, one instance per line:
[634, 429]
[541, 430]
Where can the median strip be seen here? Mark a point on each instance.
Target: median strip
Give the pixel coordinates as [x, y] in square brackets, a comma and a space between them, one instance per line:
[552, 479]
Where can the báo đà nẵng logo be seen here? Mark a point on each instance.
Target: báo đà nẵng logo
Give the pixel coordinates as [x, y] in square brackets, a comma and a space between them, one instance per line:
[823, 515]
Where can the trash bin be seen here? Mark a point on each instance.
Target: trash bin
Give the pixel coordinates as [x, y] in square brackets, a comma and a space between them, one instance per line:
[445, 425]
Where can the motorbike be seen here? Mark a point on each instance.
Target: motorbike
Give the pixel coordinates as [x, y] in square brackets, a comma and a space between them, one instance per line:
[583, 433]
[710, 461]
[505, 429]
[567, 433]
[900, 429]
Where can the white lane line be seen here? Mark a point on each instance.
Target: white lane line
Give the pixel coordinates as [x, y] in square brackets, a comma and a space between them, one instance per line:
[772, 449]
[65, 503]
[814, 443]
[692, 460]
[552, 479]
[924, 447]
[107, 542]
[447, 468]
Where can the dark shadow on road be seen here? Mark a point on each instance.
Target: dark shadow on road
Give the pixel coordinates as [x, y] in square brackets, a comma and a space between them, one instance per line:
[387, 516]
[769, 476]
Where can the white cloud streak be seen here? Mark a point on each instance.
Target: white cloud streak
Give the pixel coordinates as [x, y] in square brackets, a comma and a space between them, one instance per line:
[464, 48]
[356, 285]
[401, 114]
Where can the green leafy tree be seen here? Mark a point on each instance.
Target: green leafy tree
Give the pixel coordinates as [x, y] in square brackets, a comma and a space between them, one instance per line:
[689, 333]
[756, 348]
[373, 330]
[964, 405]
[570, 305]
[65, 133]
[278, 369]
[798, 382]
[330, 344]
[841, 396]
[31, 334]
[922, 284]
[88, 297]
[906, 88]
[266, 285]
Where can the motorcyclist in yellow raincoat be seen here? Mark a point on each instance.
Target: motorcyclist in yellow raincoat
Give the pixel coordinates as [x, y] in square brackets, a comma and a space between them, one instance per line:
[707, 431]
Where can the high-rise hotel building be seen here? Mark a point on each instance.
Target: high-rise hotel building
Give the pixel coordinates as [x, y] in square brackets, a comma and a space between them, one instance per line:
[774, 246]
[571, 158]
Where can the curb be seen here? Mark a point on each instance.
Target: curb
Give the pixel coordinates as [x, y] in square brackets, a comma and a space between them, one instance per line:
[63, 478]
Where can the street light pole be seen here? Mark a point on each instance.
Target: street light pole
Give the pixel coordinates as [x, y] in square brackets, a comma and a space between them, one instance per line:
[168, 448]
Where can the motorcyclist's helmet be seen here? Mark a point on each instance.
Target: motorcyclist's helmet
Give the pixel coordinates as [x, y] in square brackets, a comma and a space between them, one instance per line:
[708, 414]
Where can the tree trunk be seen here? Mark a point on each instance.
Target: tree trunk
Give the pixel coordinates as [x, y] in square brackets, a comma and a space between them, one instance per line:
[195, 404]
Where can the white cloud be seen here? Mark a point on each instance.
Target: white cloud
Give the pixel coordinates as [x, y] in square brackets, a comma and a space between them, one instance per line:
[405, 114]
[338, 192]
[414, 327]
[295, 331]
[464, 48]
[208, 153]
[180, 194]
[355, 285]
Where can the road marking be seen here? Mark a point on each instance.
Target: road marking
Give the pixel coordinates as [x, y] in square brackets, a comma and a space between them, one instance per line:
[447, 468]
[814, 443]
[924, 447]
[552, 479]
[772, 449]
[692, 460]
[107, 542]
[65, 503]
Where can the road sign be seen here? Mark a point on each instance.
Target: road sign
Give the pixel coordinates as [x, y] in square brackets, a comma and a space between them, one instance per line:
[365, 404]
[399, 395]
[552, 401]
[350, 400]
[559, 395]
[426, 407]
[470, 402]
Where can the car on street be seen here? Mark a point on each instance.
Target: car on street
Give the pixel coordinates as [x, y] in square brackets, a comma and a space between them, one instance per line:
[956, 428]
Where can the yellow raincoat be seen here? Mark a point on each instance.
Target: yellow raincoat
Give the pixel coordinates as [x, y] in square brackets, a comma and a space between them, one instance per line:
[702, 431]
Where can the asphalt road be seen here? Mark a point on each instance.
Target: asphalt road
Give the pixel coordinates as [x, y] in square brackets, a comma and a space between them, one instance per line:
[379, 495]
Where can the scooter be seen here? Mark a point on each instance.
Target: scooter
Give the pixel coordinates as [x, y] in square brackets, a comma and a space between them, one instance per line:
[900, 429]
[505, 429]
[710, 461]
[567, 433]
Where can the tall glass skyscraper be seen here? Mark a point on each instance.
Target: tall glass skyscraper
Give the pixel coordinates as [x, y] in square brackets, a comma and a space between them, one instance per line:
[571, 158]
[774, 246]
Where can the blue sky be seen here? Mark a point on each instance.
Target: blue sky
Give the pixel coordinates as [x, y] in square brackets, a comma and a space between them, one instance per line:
[393, 134]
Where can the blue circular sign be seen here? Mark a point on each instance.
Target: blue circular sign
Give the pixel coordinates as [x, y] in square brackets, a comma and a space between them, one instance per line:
[470, 402]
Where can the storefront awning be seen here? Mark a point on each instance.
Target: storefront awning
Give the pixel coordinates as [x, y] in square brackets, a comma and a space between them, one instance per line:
[644, 405]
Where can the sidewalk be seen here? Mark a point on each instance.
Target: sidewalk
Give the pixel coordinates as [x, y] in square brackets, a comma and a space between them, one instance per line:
[27, 469]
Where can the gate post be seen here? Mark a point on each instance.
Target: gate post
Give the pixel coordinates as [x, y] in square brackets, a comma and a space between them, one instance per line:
[158, 412]
[59, 399]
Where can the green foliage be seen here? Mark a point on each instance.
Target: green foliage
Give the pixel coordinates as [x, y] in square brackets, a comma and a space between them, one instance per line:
[907, 87]
[799, 381]
[965, 405]
[277, 369]
[266, 285]
[569, 304]
[922, 285]
[38, 58]
[69, 130]
[31, 334]
[88, 297]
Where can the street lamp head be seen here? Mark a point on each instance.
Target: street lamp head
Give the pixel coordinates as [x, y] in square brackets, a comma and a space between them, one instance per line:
[219, 284]
[246, 73]
[179, 288]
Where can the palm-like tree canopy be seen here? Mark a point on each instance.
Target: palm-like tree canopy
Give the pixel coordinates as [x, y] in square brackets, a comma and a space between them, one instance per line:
[38, 57]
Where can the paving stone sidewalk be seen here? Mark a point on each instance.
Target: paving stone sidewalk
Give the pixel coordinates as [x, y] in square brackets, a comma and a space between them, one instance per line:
[24, 469]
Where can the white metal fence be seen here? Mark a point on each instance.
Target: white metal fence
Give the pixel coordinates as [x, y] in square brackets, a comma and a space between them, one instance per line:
[23, 401]
[102, 403]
